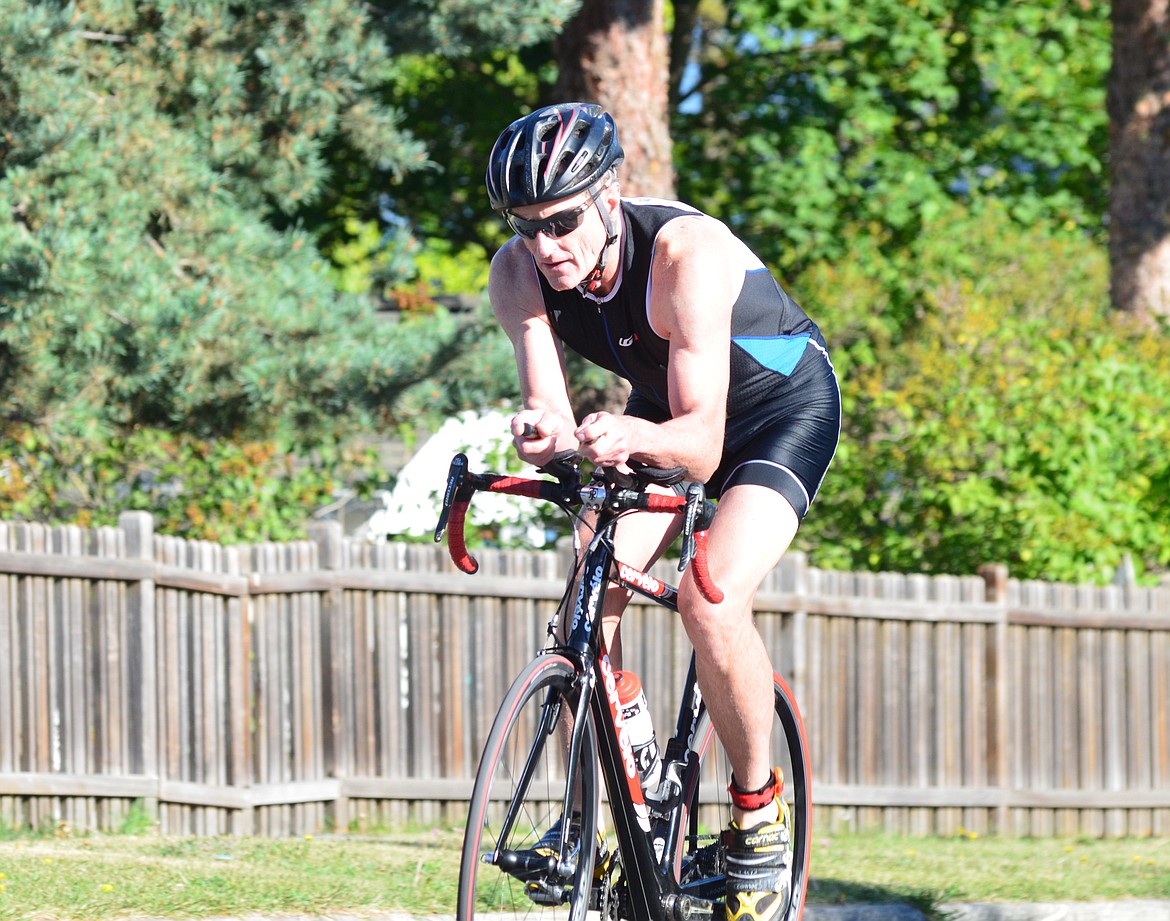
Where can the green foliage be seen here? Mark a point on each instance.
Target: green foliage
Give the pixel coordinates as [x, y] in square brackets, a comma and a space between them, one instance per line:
[460, 72]
[1016, 421]
[189, 186]
[930, 175]
[459, 105]
[358, 256]
[442, 267]
[165, 312]
[138, 821]
[822, 119]
[220, 490]
[461, 27]
[460, 363]
[150, 154]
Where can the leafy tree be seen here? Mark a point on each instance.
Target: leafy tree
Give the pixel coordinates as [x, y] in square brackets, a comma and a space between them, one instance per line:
[458, 98]
[1020, 422]
[823, 119]
[459, 105]
[929, 177]
[456, 73]
[454, 28]
[213, 489]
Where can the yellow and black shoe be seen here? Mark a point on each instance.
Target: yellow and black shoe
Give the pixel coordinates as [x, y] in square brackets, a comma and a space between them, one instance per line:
[759, 859]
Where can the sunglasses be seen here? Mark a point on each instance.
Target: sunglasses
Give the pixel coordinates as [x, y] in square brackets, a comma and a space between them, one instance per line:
[555, 225]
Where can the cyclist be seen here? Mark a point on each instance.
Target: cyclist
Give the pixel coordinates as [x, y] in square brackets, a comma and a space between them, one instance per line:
[730, 379]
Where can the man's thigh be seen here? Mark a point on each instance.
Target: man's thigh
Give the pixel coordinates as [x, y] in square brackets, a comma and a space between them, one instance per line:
[753, 528]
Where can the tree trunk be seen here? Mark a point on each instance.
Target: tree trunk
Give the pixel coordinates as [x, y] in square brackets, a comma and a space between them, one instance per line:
[613, 52]
[1139, 154]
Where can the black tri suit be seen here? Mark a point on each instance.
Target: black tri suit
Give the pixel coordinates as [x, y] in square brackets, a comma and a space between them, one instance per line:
[783, 403]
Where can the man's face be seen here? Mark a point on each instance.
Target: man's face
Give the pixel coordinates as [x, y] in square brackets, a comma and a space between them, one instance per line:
[566, 260]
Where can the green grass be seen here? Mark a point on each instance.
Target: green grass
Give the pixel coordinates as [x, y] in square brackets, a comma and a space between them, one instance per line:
[928, 871]
[106, 877]
[110, 876]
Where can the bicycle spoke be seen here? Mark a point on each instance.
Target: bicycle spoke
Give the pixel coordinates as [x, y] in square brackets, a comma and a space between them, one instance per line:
[699, 859]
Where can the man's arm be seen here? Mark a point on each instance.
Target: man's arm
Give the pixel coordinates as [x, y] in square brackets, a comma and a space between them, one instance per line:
[696, 281]
[515, 298]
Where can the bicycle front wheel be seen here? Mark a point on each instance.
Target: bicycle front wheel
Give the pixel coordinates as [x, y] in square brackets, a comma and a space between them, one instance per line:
[519, 795]
[698, 863]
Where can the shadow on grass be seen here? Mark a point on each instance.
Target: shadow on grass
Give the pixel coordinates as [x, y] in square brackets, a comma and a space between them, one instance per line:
[828, 891]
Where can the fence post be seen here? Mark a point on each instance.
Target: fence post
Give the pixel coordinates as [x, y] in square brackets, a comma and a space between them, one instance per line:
[995, 591]
[337, 661]
[138, 528]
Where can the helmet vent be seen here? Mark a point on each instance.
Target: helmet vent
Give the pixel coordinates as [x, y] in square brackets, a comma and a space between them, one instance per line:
[560, 167]
[516, 177]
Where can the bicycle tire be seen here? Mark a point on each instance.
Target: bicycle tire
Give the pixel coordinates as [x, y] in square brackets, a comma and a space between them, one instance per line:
[525, 733]
[696, 864]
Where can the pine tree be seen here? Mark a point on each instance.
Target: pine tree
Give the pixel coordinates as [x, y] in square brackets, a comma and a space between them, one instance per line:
[151, 157]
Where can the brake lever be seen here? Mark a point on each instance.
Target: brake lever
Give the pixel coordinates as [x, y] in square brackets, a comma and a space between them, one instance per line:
[455, 475]
[696, 500]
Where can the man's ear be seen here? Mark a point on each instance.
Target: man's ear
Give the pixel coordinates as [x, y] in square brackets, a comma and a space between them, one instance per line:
[612, 193]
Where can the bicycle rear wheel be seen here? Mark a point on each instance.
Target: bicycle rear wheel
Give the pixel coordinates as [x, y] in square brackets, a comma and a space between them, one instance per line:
[519, 794]
[698, 864]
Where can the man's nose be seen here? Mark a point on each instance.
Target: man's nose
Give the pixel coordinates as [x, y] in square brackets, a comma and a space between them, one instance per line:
[545, 243]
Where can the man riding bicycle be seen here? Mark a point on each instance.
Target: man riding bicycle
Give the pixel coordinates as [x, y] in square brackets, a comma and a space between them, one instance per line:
[730, 380]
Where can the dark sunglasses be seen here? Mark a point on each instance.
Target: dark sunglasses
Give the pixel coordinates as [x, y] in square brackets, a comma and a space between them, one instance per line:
[555, 225]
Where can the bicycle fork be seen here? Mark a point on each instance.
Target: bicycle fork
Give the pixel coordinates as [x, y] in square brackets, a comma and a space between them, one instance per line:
[544, 873]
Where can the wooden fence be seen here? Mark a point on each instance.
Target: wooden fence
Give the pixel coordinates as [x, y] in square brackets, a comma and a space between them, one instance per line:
[288, 689]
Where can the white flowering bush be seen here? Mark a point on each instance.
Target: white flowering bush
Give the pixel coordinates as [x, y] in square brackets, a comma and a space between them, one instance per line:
[411, 509]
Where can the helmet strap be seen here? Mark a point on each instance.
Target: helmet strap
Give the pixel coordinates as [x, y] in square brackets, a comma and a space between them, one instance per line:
[593, 281]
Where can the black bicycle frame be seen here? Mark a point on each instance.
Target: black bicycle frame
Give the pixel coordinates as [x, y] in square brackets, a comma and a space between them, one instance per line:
[653, 893]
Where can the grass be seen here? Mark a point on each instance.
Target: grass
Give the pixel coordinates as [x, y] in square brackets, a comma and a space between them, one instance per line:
[101, 877]
[118, 876]
[926, 872]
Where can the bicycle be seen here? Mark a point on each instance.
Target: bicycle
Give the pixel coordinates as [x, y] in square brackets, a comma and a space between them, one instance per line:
[663, 868]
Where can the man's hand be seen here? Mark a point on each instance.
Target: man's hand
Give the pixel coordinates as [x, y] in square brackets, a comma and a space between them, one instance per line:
[535, 434]
[604, 439]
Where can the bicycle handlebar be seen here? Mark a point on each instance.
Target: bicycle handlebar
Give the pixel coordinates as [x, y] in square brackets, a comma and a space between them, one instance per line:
[569, 492]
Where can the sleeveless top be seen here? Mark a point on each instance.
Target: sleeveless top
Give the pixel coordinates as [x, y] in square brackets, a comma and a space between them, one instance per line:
[770, 334]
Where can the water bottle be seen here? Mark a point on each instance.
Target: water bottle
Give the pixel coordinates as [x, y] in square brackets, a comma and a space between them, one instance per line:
[640, 725]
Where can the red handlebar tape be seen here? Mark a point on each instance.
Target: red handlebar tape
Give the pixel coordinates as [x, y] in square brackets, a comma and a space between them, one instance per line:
[520, 486]
[456, 545]
[707, 588]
